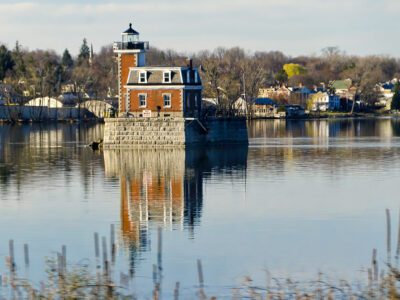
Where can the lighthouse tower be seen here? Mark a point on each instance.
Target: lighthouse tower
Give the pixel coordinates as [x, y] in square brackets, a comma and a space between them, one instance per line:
[131, 53]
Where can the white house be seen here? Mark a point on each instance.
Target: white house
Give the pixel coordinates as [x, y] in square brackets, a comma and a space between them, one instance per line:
[319, 102]
[240, 105]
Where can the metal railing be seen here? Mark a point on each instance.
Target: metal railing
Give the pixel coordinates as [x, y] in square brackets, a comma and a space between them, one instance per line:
[131, 45]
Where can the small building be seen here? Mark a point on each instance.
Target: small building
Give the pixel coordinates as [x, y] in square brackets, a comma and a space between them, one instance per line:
[263, 108]
[280, 94]
[299, 95]
[386, 92]
[294, 111]
[322, 101]
[240, 106]
[334, 102]
[343, 88]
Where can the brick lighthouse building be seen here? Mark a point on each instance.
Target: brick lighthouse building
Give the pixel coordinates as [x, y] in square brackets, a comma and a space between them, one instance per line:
[161, 106]
[154, 91]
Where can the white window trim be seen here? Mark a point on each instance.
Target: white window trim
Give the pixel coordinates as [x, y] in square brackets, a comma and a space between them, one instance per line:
[170, 77]
[145, 100]
[170, 100]
[140, 77]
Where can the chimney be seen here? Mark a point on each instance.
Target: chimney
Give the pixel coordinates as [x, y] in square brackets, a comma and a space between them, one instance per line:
[189, 62]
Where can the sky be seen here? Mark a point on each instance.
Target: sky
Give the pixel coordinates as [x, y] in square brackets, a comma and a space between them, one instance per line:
[295, 27]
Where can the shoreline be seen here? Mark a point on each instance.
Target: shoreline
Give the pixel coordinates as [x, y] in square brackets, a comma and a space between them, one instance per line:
[311, 117]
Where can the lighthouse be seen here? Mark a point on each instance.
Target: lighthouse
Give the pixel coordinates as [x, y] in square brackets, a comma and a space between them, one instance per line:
[162, 105]
[154, 91]
[131, 52]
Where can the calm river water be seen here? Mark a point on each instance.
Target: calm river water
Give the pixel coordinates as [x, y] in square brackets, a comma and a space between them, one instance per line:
[304, 197]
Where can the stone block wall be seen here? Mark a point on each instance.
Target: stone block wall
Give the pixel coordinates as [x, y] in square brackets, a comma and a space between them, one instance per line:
[137, 132]
[175, 132]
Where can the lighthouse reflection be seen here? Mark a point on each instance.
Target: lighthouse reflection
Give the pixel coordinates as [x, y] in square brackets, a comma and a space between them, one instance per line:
[164, 187]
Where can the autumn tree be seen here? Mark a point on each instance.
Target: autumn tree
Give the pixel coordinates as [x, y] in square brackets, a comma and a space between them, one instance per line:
[293, 69]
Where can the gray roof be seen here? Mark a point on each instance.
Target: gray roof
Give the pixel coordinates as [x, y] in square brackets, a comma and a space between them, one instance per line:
[130, 30]
[155, 76]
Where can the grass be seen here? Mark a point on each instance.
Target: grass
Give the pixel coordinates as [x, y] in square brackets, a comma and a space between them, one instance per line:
[63, 281]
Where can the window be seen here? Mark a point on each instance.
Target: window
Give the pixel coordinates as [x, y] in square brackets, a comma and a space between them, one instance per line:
[142, 77]
[167, 100]
[196, 77]
[142, 100]
[167, 77]
[195, 101]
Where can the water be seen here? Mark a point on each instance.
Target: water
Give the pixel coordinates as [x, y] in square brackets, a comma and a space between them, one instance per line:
[304, 197]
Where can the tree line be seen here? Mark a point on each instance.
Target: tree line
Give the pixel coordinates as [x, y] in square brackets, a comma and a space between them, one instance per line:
[226, 73]
[41, 73]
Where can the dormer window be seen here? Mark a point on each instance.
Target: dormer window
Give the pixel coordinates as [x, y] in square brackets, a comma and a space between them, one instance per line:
[167, 77]
[142, 77]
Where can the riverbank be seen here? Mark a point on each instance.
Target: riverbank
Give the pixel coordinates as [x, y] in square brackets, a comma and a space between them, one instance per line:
[333, 115]
[342, 115]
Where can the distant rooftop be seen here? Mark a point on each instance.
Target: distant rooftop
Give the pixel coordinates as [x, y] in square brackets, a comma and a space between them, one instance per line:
[341, 84]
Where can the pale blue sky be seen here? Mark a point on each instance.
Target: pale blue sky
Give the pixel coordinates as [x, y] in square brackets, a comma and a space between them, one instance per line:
[292, 26]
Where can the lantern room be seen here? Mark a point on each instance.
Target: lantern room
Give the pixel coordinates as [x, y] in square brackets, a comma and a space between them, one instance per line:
[130, 41]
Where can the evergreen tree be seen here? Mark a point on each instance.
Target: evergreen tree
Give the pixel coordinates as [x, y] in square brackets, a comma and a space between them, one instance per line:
[396, 97]
[20, 66]
[6, 61]
[84, 52]
[66, 60]
[281, 77]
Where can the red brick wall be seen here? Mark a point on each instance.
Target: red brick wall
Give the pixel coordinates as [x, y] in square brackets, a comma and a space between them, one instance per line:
[126, 61]
[155, 98]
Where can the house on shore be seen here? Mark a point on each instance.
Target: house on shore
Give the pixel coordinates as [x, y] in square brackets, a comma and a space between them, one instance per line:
[264, 108]
[279, 94]
[386, 92]
[323, 101]
[299, 95]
